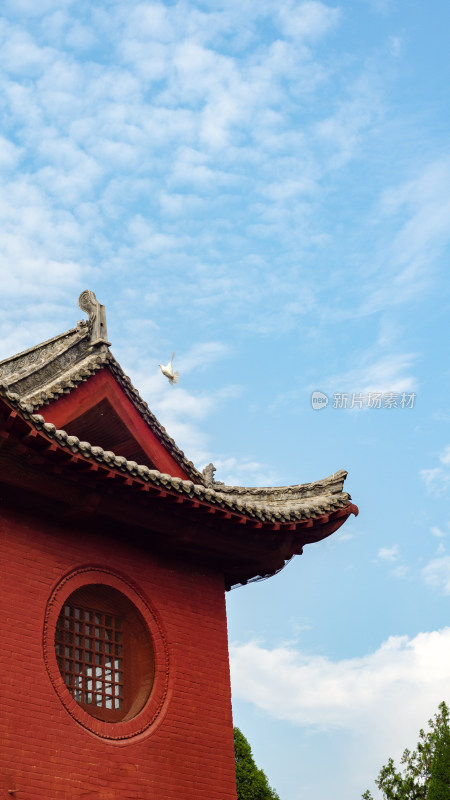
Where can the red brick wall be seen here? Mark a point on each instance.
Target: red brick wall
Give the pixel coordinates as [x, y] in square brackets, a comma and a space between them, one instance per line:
[45, 753]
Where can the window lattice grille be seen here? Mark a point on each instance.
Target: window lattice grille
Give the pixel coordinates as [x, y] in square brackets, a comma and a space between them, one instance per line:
[89, 651]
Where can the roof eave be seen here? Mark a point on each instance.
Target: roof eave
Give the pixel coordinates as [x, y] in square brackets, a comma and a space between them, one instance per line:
[190, 519]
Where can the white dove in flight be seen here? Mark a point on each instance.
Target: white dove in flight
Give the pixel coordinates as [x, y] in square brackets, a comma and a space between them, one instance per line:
[173, 377]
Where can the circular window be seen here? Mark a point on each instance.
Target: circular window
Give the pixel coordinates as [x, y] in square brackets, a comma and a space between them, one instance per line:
[106, 654]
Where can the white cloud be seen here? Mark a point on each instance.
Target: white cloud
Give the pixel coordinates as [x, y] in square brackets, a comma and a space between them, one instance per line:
[40, 245]
[428, 199]
[20, 55]
[342, 131]
[396, 45]
[345, 537]
[32, 9]
[381, 6]
[418, 214]
[388, 553]
[307, 20]
[391, 555]
[320, 693]
[202, 355]
[390, 372]
[432, 478]
[193, 118]
[437, 574]
[437, 479]
[400, 572]
[10, 154]
[381, 699]
[437, 532]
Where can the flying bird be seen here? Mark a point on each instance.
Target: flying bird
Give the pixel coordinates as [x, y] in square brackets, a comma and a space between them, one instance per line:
[173, 377]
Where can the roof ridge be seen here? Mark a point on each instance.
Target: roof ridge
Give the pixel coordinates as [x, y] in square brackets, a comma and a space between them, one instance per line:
[17, 356]
[34, 366]
[336, 479]
[91, 363]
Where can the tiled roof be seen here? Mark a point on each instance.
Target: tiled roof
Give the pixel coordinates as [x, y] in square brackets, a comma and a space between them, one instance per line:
[34, 378]
[281, 505]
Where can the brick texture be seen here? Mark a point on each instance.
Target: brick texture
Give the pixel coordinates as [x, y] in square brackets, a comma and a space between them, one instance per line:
[45, 753]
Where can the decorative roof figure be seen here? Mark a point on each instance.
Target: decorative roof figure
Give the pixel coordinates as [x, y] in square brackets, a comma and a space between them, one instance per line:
[88, 303]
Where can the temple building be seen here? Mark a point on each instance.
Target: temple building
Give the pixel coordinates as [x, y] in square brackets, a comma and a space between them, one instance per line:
[116, 554]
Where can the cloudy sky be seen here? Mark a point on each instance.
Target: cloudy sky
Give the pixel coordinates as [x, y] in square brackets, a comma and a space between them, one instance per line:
[264, 187]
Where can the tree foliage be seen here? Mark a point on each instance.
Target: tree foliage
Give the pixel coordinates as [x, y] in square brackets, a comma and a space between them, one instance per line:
[425, 772]
[439, 788]
[251, 782]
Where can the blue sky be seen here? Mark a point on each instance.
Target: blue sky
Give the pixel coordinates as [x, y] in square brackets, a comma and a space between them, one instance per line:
[265, 189]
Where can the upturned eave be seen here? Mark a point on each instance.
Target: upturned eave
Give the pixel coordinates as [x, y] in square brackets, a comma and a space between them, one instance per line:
[247, 540]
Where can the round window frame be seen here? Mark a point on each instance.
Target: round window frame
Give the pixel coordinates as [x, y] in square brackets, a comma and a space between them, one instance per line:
[152, 710]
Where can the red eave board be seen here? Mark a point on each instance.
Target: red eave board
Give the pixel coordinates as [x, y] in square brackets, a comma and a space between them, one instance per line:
[101, 406]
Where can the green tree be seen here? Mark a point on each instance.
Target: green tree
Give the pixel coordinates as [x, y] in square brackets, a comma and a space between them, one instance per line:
[251, 782]
[426, 770]
[439, 788]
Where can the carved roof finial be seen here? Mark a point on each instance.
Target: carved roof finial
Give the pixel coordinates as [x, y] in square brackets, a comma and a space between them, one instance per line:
[208, 474]
[88, 303]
